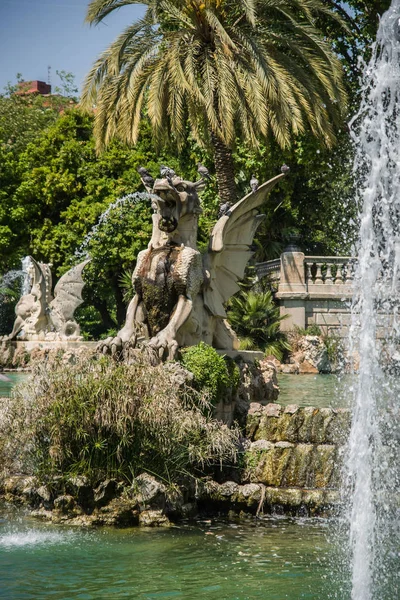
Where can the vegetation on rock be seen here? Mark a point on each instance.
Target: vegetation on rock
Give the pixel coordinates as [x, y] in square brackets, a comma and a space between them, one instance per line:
[101, 420]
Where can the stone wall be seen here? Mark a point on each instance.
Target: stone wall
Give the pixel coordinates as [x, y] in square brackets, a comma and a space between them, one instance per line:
[292, 462]
[312, 290]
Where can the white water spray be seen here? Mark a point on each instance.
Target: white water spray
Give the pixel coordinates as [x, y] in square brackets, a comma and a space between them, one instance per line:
[134, 198]
[373, 471]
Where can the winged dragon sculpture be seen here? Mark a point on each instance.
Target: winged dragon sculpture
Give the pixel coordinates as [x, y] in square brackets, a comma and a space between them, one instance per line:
[180, 293]
[39, 316]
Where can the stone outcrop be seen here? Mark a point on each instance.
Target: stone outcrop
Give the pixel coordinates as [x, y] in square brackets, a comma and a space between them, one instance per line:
[147, 502]
[309, 356]
[258, 382]
[24, 355]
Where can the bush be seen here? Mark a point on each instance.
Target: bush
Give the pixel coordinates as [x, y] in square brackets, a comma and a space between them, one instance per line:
[310, 330]
[102, 419]
[212, 373]
[256, 320]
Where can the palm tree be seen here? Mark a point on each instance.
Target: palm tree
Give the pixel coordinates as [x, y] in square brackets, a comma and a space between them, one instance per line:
[248, 68]
[256, 320]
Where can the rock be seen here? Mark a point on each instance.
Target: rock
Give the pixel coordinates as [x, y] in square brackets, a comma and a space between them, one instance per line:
[189, 510]
[121, 512]
[274, 361]
[227, 489]
[273, 410]
[306, 368]
[260, 445]
[180, 377]
[258, 384]
[149, 491]
[44, 493]
[105, 492]
[290, 369]
[255, 409]
[80, 488]
[19, 485]
[315, 353]
[64, 503]
[284, 445]
[291, 409]
[153, 518]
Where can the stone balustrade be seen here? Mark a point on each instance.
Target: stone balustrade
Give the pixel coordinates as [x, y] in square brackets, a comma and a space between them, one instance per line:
[334, 273]
[311, 290]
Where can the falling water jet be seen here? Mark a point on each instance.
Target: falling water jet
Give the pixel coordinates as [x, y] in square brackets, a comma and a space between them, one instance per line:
[134, 198]
[372, 466]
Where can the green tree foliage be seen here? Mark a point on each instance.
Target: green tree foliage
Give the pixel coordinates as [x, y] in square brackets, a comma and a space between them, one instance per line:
[253, 68]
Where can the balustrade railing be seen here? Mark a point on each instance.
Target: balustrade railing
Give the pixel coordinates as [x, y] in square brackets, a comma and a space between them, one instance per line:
[271, 270]
[331, 275]
[329, 271]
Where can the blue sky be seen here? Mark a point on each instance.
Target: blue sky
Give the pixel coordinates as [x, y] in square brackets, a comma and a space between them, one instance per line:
[37, 33]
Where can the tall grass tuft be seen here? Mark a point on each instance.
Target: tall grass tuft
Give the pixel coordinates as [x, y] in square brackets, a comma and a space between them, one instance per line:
[102, 419]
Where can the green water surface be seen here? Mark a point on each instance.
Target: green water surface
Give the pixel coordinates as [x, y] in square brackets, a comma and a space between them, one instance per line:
[275, 559]
[14, 379]
[314, 390]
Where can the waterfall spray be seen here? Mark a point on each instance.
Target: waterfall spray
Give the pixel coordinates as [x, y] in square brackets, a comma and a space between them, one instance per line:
[372, 474]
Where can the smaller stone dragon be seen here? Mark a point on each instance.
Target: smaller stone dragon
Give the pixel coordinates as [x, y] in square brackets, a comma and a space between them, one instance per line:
[39, 316]
[179, 292]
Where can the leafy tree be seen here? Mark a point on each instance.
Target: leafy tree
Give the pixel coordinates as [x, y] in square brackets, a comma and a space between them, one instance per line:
[250, 68]
[68, 86]
[23, 119]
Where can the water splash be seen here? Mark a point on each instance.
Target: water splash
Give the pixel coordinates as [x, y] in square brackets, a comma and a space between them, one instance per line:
[83, 251]
[34, 537]
[372, 469]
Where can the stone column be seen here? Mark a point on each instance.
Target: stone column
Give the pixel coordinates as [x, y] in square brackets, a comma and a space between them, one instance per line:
[292, 291]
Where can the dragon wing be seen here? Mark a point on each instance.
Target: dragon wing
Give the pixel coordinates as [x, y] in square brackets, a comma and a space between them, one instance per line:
[68, 292]
[38, 289]
[229, 247]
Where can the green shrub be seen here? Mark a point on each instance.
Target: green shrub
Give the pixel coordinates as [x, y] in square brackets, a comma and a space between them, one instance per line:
[310, 330]
[256, 320]
[102, 419]
[213, 374]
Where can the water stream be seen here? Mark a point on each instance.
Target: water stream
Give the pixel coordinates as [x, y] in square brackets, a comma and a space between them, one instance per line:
[373, 469]
[83, 251]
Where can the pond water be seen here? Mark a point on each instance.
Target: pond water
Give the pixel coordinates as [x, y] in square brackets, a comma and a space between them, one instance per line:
[14, 378]
[315, 390]
[304, 390]
[274, 559]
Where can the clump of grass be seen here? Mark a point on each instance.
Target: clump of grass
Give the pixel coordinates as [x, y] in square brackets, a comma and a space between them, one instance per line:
[103, 419]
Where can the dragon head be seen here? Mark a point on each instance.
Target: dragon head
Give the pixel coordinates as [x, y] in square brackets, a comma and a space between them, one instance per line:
[175, 199]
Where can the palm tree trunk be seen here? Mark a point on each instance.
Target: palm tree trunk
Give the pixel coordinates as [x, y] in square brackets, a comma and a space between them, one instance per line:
[224, 170]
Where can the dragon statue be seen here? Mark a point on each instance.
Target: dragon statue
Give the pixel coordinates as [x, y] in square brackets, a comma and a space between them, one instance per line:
[39, 316]
[179, 292]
